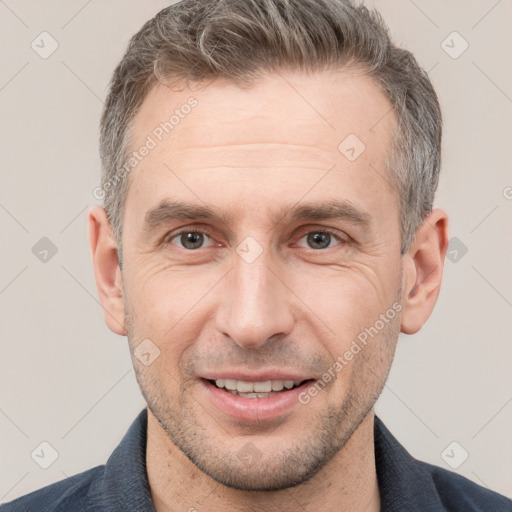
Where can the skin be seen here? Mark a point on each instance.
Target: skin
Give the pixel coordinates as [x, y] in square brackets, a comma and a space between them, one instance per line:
[249, 153]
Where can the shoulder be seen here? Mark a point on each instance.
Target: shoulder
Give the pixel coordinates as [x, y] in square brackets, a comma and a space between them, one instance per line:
[60, 496]
[120, 484]
[409, 484]
[458, 493]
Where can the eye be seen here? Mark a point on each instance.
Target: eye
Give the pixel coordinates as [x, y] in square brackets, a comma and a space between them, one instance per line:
[189, 240]
[321, 240]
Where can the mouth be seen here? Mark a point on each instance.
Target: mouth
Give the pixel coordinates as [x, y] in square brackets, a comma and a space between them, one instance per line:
[254, 401]
[262, 389]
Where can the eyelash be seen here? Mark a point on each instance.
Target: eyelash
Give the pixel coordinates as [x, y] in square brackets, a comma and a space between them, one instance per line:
[204, 231]
[328, 231]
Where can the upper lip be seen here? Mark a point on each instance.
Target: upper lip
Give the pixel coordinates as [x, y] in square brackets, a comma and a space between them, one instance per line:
[260, 376]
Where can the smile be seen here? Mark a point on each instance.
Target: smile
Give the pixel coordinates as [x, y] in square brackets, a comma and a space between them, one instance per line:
[253, 401]
[263, 389]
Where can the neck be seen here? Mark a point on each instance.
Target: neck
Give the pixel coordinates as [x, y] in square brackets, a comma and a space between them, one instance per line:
[348, 483]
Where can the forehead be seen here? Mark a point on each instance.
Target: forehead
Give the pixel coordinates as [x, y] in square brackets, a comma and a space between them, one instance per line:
[283, 129]
[294, 106]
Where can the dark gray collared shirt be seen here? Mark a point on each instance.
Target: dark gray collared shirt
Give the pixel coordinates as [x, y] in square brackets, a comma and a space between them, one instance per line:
[121, 485]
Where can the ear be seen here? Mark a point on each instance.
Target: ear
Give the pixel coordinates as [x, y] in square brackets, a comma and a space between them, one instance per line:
[106, 269]
[423, 271]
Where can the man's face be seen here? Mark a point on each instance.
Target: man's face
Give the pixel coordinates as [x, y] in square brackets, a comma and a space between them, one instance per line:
[300, 255]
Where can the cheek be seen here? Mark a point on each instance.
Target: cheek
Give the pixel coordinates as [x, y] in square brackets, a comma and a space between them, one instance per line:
[165, 295]
[364, 364]
[170, 307]
[350, 299]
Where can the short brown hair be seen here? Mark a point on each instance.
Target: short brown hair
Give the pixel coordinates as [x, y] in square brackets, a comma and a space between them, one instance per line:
[240, 40]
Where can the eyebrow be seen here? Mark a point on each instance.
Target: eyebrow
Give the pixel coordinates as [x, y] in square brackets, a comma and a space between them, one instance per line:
[342, 210]
[168, 210]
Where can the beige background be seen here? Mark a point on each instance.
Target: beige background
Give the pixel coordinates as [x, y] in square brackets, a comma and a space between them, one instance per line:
[67, 380]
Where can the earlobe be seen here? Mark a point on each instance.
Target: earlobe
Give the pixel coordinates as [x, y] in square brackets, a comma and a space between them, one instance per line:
[423, 271]
[106, 269]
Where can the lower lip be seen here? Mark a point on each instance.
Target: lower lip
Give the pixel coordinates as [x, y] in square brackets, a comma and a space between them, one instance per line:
[254, 409]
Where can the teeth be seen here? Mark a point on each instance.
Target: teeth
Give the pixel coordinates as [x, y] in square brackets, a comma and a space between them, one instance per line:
[265, 388]
[230, 384]
[252, 395]
[244, 387]
[277, 385]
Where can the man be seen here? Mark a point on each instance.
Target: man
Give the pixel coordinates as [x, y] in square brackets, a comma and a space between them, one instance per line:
[269, 173]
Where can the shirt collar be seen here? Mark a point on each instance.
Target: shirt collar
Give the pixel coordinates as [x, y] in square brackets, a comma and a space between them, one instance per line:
[403, 483]
[125, 484]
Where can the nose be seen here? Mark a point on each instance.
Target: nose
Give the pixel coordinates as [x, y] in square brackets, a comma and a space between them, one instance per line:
[254, 304]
